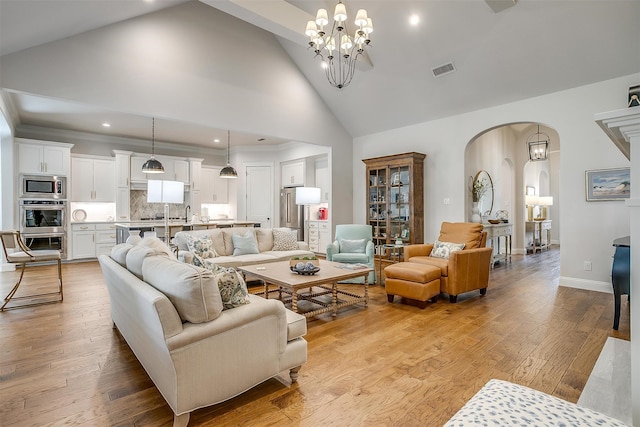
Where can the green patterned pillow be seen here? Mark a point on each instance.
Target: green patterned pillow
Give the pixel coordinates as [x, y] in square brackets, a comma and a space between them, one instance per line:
[233, 288]
[444, 249]
[285, 240]
[202, 248]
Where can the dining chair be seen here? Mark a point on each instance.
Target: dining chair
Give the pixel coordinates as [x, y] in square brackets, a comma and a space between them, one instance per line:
[23, 255]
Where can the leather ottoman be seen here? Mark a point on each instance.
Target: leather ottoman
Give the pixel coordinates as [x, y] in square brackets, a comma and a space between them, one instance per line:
[419, 282]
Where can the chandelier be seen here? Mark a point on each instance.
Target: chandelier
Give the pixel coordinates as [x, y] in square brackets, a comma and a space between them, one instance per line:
[538, 146]
[339, 50]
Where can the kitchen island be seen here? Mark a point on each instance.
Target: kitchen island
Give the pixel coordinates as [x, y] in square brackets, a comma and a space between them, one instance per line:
[124, 229]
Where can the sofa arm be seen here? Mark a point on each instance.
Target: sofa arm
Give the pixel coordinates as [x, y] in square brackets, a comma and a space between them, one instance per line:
[370, 250]
[417, 250]
[332, 249]
[304, 246]
[185, 256]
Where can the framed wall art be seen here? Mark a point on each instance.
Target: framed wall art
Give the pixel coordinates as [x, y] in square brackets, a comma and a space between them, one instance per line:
[608, 184]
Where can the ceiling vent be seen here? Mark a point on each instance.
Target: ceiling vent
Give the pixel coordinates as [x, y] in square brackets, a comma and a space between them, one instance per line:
[500, 5]
[442, 70]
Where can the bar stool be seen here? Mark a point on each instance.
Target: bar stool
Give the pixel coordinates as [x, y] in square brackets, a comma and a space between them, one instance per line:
[23, 255]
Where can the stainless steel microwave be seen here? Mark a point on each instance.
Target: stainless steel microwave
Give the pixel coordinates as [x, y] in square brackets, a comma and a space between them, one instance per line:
[43, 187]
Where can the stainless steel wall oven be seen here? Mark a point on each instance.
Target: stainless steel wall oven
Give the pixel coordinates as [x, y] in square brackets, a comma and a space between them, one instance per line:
[43, 224]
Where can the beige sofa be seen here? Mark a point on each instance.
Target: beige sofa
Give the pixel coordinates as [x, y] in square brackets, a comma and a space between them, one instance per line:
[170, 313]
[223, 242]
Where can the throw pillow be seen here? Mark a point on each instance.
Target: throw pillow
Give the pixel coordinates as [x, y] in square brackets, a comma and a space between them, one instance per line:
[245, 244]
[157, 244]
[233, 288]
[357, 246]
[202, 248]
[285, 240]
[444, 249]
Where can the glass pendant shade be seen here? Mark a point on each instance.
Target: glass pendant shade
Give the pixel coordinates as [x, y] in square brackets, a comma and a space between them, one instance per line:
[228, 171]
[153, 165]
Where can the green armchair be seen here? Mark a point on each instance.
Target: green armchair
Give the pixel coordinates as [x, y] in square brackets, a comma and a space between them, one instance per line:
[353, 245]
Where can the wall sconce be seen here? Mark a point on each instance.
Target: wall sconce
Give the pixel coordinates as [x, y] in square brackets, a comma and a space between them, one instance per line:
[530, 202]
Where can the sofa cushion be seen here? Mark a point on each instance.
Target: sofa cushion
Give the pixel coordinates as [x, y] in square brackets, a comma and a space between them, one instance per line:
[264, 237]
[201, 247]
[156, 244]
[244, 244]
[232, 287]
[119, 253]
[296, 325]
[444, 249]
[441, 263]
[285, 240]
[356, 246]
[136, 256]
[462, 232]
[350, 258]
[191, 290]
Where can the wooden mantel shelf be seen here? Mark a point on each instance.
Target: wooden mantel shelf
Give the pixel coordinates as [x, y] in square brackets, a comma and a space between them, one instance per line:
[619, 125]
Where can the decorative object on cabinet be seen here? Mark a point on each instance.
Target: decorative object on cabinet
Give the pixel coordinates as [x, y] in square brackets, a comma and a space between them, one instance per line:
[481, 195]
[79, 215]
[608, 184]
[228, 171]
[530, 201]
[152, 165]
[538, 146]
[341, 67]
[634, 96]
[395, 198]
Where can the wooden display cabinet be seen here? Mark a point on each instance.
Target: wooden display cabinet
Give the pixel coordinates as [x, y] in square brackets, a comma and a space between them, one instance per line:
[395, 203]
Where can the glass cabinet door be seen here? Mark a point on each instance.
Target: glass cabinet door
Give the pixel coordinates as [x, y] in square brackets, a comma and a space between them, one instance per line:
[378, 204]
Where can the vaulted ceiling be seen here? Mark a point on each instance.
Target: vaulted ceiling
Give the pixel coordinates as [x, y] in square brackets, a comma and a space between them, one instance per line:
[532, 48]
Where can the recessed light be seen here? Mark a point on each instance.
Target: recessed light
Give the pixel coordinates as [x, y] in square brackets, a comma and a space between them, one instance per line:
[414, 20]
[106, 125]
[217, 141]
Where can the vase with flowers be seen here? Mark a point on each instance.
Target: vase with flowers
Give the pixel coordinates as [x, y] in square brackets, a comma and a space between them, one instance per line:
[478, 189]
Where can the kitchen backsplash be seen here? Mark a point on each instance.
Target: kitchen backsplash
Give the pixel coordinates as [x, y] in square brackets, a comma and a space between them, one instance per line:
[140, 208]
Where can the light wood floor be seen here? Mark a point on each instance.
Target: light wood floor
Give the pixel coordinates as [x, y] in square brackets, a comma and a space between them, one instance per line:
[390, 364]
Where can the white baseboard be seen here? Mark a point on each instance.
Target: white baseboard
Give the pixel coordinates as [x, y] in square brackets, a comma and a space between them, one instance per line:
[589, 285]
[7, 267]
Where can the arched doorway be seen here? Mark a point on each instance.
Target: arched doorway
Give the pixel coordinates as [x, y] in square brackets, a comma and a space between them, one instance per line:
[502, 152]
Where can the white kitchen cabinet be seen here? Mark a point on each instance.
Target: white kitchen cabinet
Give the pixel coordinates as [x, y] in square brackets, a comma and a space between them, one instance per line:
[195, 166]
[319, 233]
[292, 174]
[43, 158]
[93, 180]
[174, 169]
[91, 240]
[181, 171]
[213, 188]
[123, 201]
[83, 241]
[123, 167]
[137, 160]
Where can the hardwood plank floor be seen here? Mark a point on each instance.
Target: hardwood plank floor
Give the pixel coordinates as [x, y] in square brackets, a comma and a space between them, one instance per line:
[389, 364]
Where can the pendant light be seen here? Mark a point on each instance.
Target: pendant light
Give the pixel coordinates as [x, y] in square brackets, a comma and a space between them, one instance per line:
[152, 165]
[228, 171]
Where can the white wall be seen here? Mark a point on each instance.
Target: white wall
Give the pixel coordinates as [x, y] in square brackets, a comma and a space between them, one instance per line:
[589, 228]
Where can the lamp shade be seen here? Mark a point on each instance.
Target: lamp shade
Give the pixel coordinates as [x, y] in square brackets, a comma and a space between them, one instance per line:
[308, 195]
[545, 201]
[531, 200]
[159, 191]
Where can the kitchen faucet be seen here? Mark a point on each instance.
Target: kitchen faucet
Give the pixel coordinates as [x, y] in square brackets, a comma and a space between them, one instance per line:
[186, 213]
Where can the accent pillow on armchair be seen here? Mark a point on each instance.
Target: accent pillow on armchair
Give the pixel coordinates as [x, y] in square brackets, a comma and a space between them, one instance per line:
[353, 245]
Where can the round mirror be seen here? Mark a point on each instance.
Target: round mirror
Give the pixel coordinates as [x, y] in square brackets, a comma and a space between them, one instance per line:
[483, 189]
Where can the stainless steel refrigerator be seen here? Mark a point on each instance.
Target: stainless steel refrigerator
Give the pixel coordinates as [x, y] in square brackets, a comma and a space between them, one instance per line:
[291, 215]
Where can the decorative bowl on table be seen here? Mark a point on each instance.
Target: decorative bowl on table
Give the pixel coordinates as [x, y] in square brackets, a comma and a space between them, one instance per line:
[495, 221]
[304, 265]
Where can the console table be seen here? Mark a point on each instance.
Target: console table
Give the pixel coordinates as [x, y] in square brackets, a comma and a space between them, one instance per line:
[495, 232]
[538, 229]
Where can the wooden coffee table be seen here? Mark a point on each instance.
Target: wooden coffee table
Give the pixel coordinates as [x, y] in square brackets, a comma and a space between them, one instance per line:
[312, 287]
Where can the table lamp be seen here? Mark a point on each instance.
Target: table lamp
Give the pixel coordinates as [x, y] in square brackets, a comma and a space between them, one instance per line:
[530, 202]
[544, 201]
[166, 192]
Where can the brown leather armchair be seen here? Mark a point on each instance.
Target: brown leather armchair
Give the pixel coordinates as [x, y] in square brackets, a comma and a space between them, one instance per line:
[465, 270]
